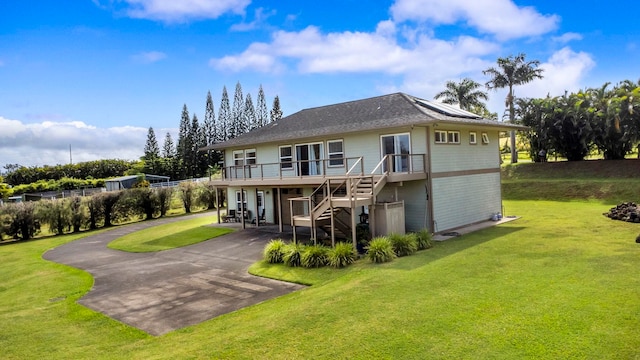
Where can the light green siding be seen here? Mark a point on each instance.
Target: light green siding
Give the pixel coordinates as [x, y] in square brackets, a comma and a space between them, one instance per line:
[414, 195]
[465, 156]
[463, 200]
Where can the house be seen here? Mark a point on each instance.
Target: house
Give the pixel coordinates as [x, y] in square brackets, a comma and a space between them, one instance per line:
[396, 162]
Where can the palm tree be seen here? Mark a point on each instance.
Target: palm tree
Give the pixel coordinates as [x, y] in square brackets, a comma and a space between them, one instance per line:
[512, 71]
[465, 94]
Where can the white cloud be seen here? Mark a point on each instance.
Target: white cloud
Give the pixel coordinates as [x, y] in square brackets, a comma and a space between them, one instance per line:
[502, 18]
[149, 57]
[566, 37]
[173, 11]
[259, 19]
[47, 142]
[563, 71]
[360, 52]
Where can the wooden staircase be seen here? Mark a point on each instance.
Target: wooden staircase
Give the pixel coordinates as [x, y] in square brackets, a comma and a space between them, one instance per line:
[333, 197]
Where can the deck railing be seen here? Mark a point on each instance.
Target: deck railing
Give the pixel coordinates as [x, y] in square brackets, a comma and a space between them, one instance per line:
[340, 167]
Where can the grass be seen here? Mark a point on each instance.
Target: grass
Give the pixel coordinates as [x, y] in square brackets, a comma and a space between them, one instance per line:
[169, 236]
[608, 181]
[567, 289]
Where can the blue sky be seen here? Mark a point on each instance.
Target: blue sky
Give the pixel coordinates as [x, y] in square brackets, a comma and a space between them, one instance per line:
[96, 74]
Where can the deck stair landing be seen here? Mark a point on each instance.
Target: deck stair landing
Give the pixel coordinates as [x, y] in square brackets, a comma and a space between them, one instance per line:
[333, 197]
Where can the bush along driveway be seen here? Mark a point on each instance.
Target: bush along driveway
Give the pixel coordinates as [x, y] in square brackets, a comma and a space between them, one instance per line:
[162, 291]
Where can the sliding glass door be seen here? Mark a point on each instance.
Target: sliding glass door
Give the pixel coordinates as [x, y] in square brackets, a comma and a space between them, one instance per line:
[309, 159]
[399, 146]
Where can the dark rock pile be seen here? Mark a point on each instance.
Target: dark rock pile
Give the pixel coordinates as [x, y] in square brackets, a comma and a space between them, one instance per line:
[628, 212]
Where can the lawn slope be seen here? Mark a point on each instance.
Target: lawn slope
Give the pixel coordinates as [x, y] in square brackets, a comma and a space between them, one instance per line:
[561, 282]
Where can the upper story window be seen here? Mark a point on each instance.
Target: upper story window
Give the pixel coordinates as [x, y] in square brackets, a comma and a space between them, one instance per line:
[473, 137]
[447, 137]
[335, 152]
[485, 138]
[250, 156]
[238, 158]
[286, 157]
[453, 137]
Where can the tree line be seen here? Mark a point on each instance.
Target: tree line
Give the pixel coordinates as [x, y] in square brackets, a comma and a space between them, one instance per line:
[99, 169]
[183, 159]
[25, 220]
[605, 120]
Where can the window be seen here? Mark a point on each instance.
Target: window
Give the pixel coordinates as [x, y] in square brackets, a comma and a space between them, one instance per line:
[441, 137]
[250, 156]
[485, 138]
[238, 158]
[286, 157]
[335, 153]
[473, 137]
[453, 137]
[447, 137]
[241, 203]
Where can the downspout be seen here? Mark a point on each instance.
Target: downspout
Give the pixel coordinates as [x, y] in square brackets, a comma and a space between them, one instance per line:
[429, 206]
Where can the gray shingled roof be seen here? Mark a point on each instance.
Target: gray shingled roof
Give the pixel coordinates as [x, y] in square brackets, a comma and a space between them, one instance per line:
[387, 111]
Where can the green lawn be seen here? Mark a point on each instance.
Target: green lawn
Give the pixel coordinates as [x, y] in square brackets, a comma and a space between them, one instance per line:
[561, 282]
[169, 236]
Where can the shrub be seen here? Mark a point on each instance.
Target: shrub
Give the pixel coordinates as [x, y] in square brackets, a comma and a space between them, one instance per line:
[164, 199]
[424, 239]
[380, 250]
[78, 214]
[207, 195]
[21, 221]
[56, 213]
[315, 256]
[341, 255]
[187, 195]
[403, 245]
[293, 255]
[274, 251]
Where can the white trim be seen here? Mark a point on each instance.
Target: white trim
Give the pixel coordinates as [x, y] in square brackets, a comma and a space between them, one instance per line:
[250, 160]
[440, 136]
[238, 161]
[485, 138]
[287, 164]
[341, 153]
[473, 137]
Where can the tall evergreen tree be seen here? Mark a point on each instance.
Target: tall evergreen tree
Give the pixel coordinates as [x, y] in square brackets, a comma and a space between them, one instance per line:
[151, 153]
[249, 114]
[169, 166]
[209, 132]
[262, 114]
[184, 146]
[237, 119]
[168, 151]
[276, 113]
[151, 149]
[224, 117]
[209, 125]
[195, 134]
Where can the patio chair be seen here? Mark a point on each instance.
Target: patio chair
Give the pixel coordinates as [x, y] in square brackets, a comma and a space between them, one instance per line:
[261, 219]
[231, 216]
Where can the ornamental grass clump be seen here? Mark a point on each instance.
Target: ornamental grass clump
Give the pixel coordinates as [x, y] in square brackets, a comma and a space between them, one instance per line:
[274, 251]
[425, 241]
[293, 255]
[403, 245]
[315, 256]
[380, 250]
[342, 255]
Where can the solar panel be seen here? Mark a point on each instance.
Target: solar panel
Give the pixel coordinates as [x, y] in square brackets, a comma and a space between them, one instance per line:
[447, 109]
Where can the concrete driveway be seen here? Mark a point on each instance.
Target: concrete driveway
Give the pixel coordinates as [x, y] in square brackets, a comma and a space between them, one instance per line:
[162, 291]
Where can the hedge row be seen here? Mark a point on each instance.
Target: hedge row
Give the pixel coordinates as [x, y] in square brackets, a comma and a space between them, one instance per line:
[24, 220]
[379, 250]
